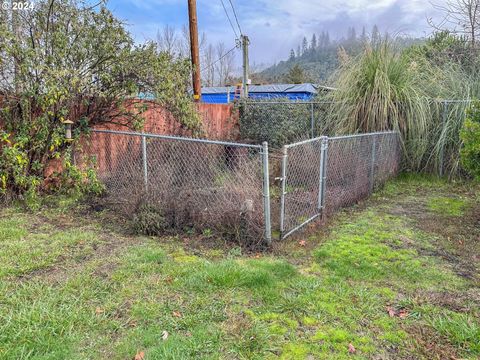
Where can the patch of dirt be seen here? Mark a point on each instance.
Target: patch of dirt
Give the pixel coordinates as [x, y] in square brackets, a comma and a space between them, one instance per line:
[110, 243]
[110, 246]
[457, 238]
[430, 345]
[466, 302]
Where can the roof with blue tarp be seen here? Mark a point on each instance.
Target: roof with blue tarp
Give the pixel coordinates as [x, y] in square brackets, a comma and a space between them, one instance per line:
[294, 92]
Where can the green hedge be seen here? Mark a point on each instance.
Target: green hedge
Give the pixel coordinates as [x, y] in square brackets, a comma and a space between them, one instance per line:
[470, 135]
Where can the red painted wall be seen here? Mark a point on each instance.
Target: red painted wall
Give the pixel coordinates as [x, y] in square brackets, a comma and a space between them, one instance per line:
[220, 122]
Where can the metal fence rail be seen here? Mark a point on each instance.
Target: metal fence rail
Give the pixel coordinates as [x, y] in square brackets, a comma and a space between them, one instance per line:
[193, 183]
[324, 174]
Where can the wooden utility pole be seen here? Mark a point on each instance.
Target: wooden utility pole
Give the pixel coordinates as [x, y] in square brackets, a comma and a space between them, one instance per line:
[194, 48]
[245, 42]
[16, 32]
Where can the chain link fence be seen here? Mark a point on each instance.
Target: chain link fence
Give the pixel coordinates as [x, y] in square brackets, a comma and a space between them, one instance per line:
[184, 183]
[358, 164]
[281, 122]
[322, 175]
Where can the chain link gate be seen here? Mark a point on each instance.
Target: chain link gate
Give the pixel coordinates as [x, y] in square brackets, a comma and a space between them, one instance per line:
[355, 164]
[303, 183]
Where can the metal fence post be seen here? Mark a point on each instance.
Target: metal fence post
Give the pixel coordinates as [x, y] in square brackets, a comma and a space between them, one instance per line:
[283, 179]
[323, 173]
[441, 155]
[372, 167]
[144, 160]
[312, 119]
[266, 193]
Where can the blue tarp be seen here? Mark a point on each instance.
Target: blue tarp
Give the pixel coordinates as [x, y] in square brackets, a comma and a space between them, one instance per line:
[294, 92]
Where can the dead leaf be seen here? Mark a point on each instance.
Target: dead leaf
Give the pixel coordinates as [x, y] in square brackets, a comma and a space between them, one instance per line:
[351, 348]
[390, 311]
[177, 314]
[402, 314]
[132, 324]
[164, 335]
[302, 243]
[99, 310]
[140, 355]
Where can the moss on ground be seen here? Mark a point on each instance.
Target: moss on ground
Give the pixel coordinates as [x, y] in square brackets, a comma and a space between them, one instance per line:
[360, 290]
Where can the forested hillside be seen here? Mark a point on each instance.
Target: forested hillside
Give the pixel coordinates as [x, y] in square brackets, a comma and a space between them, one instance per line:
[315, 60]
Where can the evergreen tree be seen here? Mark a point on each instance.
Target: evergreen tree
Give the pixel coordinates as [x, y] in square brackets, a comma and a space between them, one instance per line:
[351, 34]
[299, 51]
[321, 40]
[295, 75]
[313, 44]
[304, 45]
[292, 55]
[376, 37]
[327, 39]
[363, 37]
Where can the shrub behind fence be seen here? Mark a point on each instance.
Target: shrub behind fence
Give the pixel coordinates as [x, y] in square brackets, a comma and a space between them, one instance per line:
[187, 183]
[281, 122]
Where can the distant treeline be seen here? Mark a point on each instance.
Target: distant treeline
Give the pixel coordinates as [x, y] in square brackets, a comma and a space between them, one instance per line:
[316, 58]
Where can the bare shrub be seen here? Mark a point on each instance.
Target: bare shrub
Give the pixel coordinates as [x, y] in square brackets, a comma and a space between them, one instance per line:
[189, 185]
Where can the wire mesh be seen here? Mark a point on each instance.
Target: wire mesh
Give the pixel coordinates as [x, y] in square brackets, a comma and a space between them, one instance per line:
[301, 184]
[387, 161]
[281, 122]
[352, 167]
[221, 186]
[194, 184]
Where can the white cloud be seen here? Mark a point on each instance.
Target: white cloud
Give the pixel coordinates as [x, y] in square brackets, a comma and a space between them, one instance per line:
[275, 26]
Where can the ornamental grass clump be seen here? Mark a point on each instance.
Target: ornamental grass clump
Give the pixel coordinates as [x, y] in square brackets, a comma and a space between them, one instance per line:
[382, 90]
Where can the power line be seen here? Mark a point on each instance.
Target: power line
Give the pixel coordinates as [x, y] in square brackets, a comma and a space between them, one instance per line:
[236, 18]
[221, 57]
[229, 20]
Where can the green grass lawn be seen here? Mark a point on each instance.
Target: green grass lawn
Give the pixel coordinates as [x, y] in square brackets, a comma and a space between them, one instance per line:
[396, 277]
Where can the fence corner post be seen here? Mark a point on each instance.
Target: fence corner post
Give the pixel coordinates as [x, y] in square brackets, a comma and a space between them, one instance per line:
[266, 193]
[372, 166]
[144, 161]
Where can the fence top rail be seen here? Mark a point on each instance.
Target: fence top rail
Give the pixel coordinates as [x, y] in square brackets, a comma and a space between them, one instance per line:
[177, 138]
[326, 102]
[291, 102]
[342, 137]
[305, 142]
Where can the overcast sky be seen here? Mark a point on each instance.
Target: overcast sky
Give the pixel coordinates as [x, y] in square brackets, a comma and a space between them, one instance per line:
[276, 26]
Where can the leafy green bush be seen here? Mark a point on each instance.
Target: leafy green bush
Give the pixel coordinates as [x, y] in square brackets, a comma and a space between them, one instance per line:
[470, 135]
[279, 121]
[81, 66]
